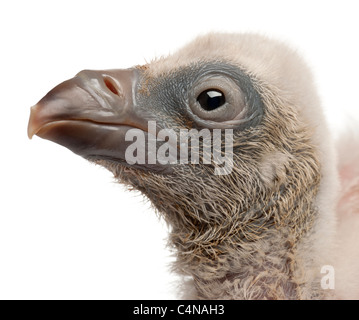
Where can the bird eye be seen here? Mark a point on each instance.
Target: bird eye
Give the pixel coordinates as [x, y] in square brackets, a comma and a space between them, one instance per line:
[215, 98]
[211, 99]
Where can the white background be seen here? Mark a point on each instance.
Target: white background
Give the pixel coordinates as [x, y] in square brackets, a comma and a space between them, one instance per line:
[67, 231]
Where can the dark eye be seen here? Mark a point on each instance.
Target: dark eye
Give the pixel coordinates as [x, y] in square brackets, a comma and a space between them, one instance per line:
[211, 99]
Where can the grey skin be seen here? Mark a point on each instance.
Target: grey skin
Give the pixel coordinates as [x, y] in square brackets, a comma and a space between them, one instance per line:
[91, 113]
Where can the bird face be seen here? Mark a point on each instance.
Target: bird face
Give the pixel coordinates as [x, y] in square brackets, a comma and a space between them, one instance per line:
[93, 113]
[97, 108]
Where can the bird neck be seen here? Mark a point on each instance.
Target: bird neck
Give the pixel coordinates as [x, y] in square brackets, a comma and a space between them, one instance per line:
[254, 258]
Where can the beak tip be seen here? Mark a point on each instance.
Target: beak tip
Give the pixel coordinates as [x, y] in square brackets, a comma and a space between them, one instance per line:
[31, 127]
[29, 134]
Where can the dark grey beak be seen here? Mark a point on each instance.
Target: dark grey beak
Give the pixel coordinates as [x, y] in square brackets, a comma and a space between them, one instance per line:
[91, 113]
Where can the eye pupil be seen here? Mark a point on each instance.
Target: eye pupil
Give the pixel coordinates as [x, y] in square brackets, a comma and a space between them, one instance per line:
[211, 99]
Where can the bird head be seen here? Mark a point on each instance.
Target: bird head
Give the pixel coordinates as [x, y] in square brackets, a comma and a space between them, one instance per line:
[250, 89]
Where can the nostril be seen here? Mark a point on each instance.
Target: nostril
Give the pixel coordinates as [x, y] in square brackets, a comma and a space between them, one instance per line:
[110, 85]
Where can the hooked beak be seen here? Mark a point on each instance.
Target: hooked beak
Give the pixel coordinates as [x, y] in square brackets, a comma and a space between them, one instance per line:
[91, 113]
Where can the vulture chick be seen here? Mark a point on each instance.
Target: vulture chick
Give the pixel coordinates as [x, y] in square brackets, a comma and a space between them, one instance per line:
[266, 217]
